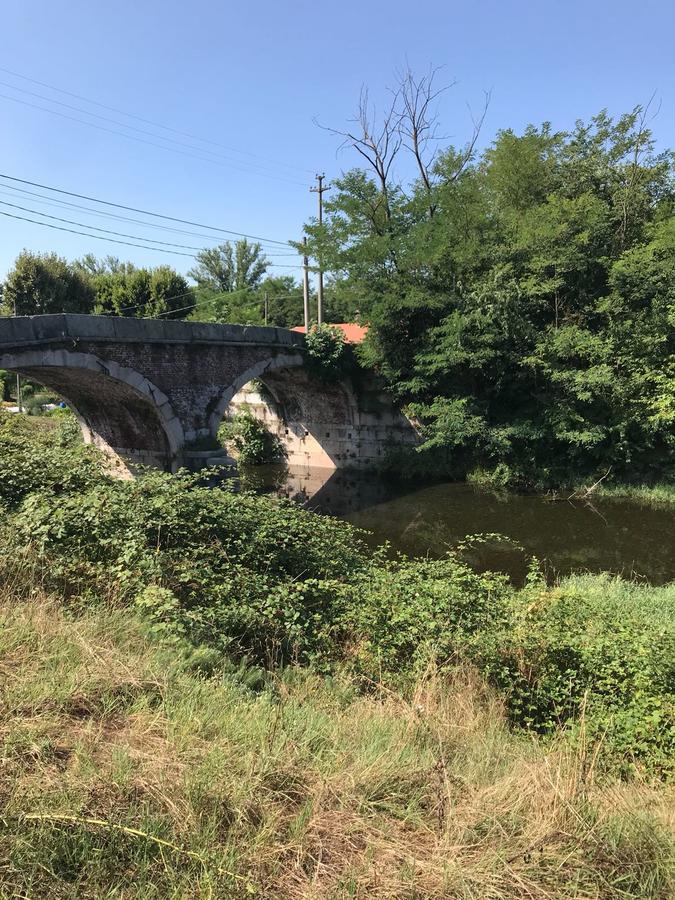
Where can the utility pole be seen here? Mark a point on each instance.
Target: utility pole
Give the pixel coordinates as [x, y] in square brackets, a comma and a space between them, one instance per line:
[319, 190]
[266, 308]
[305, 285]
[18, 378]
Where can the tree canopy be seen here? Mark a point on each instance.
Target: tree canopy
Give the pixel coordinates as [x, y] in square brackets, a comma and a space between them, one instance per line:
[522, 300]
[47, 283]
[230, 267]
[42, 283]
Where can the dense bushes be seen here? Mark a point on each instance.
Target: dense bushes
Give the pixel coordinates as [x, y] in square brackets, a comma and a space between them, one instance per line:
[246, 575]
[260, 580]
[32, 459]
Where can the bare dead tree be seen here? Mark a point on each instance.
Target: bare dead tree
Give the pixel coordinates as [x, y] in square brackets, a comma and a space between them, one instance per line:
[419, 127]
[469, 148]
[377, 142]
[642, 146]
[418, 121]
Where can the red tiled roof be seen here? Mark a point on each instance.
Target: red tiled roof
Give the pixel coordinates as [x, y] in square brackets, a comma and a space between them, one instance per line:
[353, 333]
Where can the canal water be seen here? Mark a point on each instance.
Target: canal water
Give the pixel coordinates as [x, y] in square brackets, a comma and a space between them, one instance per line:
[620, 536]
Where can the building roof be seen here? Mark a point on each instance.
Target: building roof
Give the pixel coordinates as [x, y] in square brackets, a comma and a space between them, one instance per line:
[353, 333]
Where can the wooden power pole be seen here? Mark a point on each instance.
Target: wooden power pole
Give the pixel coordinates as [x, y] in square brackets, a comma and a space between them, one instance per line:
[320, 190]
[305, 285]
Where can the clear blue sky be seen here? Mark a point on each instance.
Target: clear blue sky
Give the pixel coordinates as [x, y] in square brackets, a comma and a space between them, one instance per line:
[252, 77]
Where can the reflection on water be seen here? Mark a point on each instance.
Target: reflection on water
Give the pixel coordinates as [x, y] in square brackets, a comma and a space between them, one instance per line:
[612, 535]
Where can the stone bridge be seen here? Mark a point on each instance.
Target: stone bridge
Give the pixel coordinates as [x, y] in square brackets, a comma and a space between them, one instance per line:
[154, 392]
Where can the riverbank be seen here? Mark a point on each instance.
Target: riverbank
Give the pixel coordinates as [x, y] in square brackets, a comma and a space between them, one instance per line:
[219, 695]
[659, 494]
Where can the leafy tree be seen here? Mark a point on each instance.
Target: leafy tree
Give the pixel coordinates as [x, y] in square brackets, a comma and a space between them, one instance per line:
[230, 267]
[121, 289]
[43, 283]
[521, 300]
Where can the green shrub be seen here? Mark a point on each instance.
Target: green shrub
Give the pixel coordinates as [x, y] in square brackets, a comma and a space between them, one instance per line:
[237, 577]
[597, 645]
[33, 459]
[499, 478]
[253, 441]
[249, 575]
[408, 612]
[325, 352]
[34, 403]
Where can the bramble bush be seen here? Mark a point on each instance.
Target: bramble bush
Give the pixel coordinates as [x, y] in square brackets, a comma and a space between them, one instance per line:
[32, 459]
[325, 352]
[238, 577]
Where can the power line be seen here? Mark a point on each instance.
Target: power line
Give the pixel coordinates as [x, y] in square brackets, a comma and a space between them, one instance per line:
[139, 305]
[134, 237]
[250, 167]
[199, 303]
[143, 212]
[149, 121]
[61, 204]
[139, 140]
[95, 236]
[211, 301]
[98, 237]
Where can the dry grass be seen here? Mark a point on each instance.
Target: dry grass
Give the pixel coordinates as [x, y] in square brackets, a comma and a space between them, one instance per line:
[123, 775]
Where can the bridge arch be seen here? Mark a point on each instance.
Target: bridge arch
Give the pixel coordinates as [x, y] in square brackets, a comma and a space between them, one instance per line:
[318, 423]
[259, 370]
[119, 410]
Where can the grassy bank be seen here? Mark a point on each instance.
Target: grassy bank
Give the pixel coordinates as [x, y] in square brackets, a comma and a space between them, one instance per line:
[126, 774]
[657, 494]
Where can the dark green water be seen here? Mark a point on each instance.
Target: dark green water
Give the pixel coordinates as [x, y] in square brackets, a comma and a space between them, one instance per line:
[620, 536]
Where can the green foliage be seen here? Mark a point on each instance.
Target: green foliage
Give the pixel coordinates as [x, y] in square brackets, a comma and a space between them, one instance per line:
[34, 402]
[523, 301]
[594, 645]
[230, 267]
[121, 289]
[32, 460]
[253, 442]
[246, 305]
[46, 283]
[7, 385]
[325, 352]
[67, 432]
[43, 283]
[409, 613]
[236, 577]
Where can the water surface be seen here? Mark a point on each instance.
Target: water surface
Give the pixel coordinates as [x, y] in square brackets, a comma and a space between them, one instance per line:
[613, 535]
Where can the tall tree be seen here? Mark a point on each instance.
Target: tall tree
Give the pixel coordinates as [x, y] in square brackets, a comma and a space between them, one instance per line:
[230, 267]
[122, 289]
[41, 283]
[519, 300]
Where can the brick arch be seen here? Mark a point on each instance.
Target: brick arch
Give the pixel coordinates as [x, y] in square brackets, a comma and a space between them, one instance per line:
[119, 410]
[281, 361]
[314, 420]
